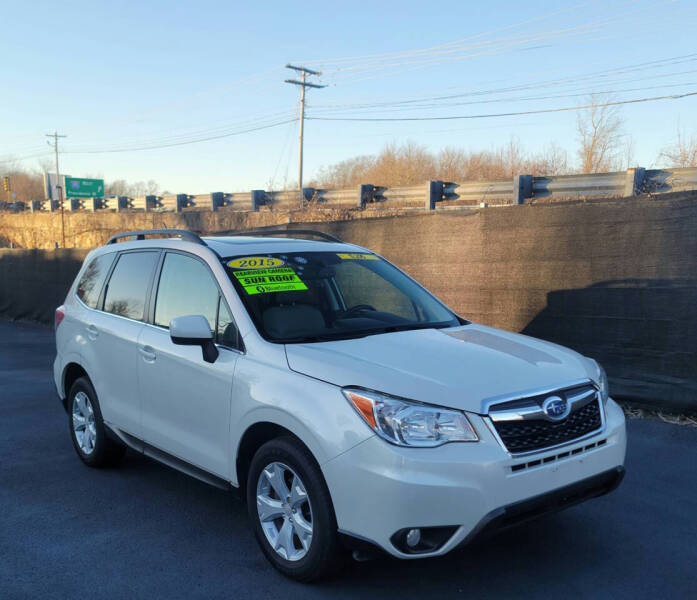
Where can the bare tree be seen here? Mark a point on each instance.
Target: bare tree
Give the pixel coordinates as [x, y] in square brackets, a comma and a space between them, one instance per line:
[407, 164]
[26, 185]
[628, 155]
[411, 164]
[682, 152]
[143, 188]
[345, 173]
[553, 160]
[45, 165]
[512, 158]
[600, 136]
[451, 162]
[120, 187]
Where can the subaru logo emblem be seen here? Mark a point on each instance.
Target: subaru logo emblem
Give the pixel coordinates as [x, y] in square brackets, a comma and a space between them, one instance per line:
[555, 408]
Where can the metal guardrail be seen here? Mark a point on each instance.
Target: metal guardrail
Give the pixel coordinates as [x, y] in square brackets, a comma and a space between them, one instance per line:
[429, 196]
[659, 181]
[600, 184]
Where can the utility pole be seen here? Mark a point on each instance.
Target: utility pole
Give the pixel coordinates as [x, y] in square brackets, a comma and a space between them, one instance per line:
[303, 84]
[59, 187]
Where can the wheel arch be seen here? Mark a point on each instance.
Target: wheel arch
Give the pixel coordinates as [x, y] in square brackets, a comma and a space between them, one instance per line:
[71, 373]
[255, 436]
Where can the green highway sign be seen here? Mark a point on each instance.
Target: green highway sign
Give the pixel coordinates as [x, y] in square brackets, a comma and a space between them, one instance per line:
[77, 187]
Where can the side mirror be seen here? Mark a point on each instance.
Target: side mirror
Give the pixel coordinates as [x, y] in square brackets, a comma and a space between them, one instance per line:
[194, 330]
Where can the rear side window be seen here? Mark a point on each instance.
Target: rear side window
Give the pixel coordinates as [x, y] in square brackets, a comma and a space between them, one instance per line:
[90, 286]
[186, 288]
[128, 286]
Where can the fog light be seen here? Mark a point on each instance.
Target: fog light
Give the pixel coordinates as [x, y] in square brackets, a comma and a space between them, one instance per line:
[413, 537]
[420, 540]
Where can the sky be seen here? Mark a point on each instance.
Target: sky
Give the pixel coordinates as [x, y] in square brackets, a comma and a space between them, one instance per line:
[192, 94]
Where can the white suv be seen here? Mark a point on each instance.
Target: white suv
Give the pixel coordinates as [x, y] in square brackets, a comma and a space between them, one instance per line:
[350, 407]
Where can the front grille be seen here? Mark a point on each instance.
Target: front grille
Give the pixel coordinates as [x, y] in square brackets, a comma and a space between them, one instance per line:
[556, 457]
[538, 433]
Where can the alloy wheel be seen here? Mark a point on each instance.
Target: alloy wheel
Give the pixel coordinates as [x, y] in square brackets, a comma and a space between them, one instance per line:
[284, 510]
[83, 423]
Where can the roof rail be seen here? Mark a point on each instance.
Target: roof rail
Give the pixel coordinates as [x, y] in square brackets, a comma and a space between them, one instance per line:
[272, 232]
[189, 236]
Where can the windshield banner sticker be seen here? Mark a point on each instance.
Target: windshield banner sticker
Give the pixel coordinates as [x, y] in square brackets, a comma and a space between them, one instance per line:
[357, 256]
[264, 281]
[255, 262]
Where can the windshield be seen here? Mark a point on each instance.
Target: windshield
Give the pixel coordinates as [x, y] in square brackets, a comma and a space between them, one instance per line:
[320, 296]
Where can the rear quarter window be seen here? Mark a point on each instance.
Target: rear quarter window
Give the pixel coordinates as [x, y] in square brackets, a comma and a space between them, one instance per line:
[90, 285]
[128, 285]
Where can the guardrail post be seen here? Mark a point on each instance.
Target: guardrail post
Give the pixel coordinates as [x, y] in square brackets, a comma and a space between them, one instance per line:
[182, 201]
[307, 196]
[434, 193]
[75, 204]
[151, 202]
[366, 194]
[522, 188]
[217, 200]
[634, 181]
[258, 199]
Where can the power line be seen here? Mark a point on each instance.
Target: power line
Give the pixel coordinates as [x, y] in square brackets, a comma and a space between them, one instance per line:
[194, 133]
[228, 85]
[377, 65]
[179, 140]
[507, 114]
[26, 157]
[182, 143]
[284, 147]
[431, 106]
[563, 81]
[421, 51]
[459, 50]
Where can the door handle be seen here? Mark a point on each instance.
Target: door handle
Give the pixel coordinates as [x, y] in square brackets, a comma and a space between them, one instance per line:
[148, 353]
[92, 332]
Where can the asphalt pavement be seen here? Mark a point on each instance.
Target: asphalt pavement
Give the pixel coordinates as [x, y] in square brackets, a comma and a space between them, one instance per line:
[146, 531]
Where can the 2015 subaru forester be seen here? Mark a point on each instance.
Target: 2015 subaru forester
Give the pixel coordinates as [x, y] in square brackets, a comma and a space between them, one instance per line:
[349, 406]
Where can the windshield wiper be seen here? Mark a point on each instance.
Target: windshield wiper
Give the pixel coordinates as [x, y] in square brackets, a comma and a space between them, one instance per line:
[327, 337]
[350, 335]
[407, 327]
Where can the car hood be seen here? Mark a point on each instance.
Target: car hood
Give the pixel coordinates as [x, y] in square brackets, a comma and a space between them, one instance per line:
[460, 367]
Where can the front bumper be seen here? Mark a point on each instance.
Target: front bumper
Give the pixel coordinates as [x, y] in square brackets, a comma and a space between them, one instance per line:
[544, 504]
[379, 489]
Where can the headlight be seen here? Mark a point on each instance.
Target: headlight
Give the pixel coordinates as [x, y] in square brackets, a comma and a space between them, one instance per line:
[602, 382]
[407, 423]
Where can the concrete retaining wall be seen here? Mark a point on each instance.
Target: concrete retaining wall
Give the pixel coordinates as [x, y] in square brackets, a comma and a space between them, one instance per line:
[613, 279]
[34, 282]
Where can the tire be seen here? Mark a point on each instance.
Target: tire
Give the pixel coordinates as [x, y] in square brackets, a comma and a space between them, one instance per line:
[85, 418]
[309, 558]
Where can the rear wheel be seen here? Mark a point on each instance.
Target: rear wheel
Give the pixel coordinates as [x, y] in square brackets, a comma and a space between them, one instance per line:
[291, 511]
[92, 444]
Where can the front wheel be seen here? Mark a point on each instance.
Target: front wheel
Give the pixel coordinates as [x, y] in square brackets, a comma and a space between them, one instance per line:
[291, 511]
